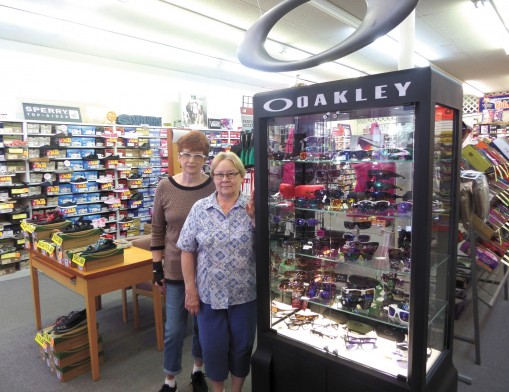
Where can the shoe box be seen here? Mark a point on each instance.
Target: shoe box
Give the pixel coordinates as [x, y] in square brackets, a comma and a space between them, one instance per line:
[33, 232]
[66, 241]
[70, 364]
[476, 159]
[59, 343]
[91, 262]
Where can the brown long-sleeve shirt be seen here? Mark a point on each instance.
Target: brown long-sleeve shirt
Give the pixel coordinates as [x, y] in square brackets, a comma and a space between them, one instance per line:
[172, 204]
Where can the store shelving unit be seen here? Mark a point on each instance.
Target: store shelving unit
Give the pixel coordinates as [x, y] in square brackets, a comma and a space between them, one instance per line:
[43, 164]
[356, 275]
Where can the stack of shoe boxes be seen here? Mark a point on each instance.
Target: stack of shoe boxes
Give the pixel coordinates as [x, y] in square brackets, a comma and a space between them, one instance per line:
[67, 355]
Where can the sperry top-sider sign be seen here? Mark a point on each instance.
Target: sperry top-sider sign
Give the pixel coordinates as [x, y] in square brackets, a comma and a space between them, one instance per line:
[36, 111]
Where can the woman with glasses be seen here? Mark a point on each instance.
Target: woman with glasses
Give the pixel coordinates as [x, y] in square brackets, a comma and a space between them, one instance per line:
[218, 263]
[174, 198]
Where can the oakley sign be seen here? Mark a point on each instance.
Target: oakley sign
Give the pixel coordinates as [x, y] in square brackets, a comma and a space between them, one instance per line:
[381, 17]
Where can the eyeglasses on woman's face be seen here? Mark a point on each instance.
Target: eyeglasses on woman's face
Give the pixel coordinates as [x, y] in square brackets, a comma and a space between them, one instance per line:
[189, 155]
[222, 176]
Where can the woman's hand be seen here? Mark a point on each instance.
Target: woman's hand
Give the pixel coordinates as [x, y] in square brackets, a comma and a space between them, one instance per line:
[192, 302]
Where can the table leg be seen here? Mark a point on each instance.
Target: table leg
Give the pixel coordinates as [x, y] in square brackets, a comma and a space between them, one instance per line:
[34, 273]
[92, 335]
[158, 316]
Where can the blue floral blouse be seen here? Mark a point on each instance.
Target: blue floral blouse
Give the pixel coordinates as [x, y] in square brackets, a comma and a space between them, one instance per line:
[225, 272]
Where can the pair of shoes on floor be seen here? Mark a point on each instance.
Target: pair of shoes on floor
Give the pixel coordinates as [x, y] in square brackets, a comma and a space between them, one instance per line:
[197, 381]
[71, 321]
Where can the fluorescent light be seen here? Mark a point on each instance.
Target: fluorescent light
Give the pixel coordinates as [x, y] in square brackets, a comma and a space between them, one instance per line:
[469, 89]
[336, 12]
[487, 19]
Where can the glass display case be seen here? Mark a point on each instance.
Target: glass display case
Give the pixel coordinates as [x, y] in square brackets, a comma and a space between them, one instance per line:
[355, 188]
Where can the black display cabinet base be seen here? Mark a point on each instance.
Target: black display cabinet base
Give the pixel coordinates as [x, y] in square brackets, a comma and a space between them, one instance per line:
[303, 370]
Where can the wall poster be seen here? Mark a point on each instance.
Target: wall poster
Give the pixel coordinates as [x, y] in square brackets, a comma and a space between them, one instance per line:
[194, 111]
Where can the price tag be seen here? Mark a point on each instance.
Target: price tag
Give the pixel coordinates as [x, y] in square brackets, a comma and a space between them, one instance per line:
[78, 260]
[53, 153]
[41, 244]
[39, 338]
[57, 239]
[39, 166]
[5, 179]
[135, 183]
[27, 227]
[53, 190]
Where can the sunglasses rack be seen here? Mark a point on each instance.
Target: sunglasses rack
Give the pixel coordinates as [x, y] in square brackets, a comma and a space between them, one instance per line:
[355, 213]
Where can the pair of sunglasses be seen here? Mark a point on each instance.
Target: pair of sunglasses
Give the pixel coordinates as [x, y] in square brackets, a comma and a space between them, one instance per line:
[353, 343]
[381, 186]
[383, 174]
[360, 237]
[360, 225]
[373, 206]
[399, 311]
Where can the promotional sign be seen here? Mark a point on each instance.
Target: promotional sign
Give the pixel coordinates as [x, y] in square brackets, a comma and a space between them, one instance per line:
[36, 111]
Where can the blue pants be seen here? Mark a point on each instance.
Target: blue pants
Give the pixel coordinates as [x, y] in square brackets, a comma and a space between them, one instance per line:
[227, 337]
[175, 330]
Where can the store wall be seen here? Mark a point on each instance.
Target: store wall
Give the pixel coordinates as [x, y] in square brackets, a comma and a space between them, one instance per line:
[35, 74]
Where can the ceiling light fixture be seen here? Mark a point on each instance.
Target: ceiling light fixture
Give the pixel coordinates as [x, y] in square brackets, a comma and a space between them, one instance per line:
[489, 18]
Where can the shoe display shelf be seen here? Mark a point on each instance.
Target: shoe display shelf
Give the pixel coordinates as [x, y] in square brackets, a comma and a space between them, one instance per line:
[219, 139]
[76, 167]
[13, 196]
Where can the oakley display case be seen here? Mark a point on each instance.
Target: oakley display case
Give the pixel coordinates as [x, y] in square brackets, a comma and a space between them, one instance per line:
[356, 182]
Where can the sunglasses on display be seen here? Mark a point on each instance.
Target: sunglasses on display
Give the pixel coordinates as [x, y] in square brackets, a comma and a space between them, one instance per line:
[381, 186]
[351, 298]
[297, 221]
[363, 225]
[360, 237]
[324, 333]
[353, 342]
[354, 250]
[398, 257]
[383, 174]
[392, 277]
[404, 239]
[328, 175]
[294, 324]
[393, 154]
[404, 207]
[372, 206]
[395, 294]
[399, 311]
[325, 291]
[287, 286]
[283, 156]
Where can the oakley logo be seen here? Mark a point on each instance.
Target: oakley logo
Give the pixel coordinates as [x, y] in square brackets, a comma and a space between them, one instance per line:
[336, 98]
[381, 17]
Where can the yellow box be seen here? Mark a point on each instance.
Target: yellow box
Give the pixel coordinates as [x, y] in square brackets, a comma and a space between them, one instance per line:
[476, 159]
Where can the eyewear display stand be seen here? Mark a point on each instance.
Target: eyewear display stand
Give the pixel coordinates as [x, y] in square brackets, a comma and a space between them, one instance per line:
[356, 213]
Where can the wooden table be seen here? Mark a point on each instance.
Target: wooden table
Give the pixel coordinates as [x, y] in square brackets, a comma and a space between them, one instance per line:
[136, 268]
